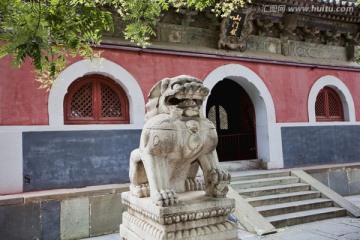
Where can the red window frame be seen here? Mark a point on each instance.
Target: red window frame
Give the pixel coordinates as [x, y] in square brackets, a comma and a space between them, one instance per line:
[96, 81]
[324, 106]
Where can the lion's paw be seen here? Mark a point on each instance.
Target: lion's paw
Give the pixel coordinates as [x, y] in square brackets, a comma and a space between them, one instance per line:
[166, 198]
[193, 185]
[219, 175]
[140, 191]
[217, 183]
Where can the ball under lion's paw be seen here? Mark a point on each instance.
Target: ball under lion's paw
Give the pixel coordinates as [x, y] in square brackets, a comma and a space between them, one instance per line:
[217, 182]
[166, 198]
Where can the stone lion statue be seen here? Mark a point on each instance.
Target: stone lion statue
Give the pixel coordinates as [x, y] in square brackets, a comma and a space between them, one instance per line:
[176, 140]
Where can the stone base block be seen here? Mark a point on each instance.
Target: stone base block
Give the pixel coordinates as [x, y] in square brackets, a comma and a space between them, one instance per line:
[195, 217]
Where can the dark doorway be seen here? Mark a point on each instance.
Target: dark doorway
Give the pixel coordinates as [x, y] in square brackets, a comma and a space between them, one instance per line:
[231, 110]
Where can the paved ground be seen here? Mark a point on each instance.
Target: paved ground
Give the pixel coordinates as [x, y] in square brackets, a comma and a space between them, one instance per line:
[114, 236]
[344, 228]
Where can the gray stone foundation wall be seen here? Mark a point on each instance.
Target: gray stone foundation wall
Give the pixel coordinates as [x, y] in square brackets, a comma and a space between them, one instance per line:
[97, 210]
[62, 214]
[69, 159]
[320, 145]
[345, 179]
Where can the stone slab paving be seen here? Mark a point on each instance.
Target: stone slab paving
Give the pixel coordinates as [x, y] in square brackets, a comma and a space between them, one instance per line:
[344, 228]
[114, 236]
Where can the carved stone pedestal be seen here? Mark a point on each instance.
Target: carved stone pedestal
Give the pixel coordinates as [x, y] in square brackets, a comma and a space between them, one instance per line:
[196, 216]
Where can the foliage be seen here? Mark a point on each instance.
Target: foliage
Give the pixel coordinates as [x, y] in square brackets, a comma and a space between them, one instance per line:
[358, 48]
[357, 54]
[49, 31]
[143, 14]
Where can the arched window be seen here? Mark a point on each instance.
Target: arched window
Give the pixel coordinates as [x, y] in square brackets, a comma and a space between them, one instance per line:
[328, 106]
[218, 115]
[95, 99]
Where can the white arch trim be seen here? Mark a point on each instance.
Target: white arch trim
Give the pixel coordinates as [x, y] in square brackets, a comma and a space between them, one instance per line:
[340, 88]
[99, 66]
[268, 134]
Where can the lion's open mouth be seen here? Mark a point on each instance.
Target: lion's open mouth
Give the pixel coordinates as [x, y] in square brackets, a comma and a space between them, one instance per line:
[183, 103]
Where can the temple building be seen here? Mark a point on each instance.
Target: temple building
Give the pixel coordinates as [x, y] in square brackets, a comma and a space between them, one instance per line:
[283, 87]
[283, 84]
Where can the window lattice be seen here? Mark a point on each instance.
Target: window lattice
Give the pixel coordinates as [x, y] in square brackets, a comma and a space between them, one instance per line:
[328, 106]
[223, 118]
[218, 113]
[320, 104]
[95, 99]
[81, 103]
[110, 102]
[334, 108]
[212, 115]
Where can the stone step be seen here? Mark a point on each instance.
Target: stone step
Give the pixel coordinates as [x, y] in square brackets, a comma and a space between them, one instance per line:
[291, 207]
[255, 183]
[235, 166]
[271, 190]
[249, 175]
[305, 216]
[282, 198]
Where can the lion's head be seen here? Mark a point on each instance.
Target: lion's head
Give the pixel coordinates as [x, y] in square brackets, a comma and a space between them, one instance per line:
[184, 93]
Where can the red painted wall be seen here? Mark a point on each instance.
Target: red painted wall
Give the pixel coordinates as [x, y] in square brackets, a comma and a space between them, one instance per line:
[21, 103]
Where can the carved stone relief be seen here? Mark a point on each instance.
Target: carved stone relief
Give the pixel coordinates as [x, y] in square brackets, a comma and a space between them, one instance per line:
[189, 26]
[264, 44]
[186, 35]
[313, 50]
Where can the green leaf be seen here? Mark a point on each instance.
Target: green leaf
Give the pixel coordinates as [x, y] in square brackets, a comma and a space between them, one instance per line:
[48, 31]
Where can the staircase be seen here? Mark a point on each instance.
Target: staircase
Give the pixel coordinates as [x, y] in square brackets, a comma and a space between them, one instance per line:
[282, 199]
